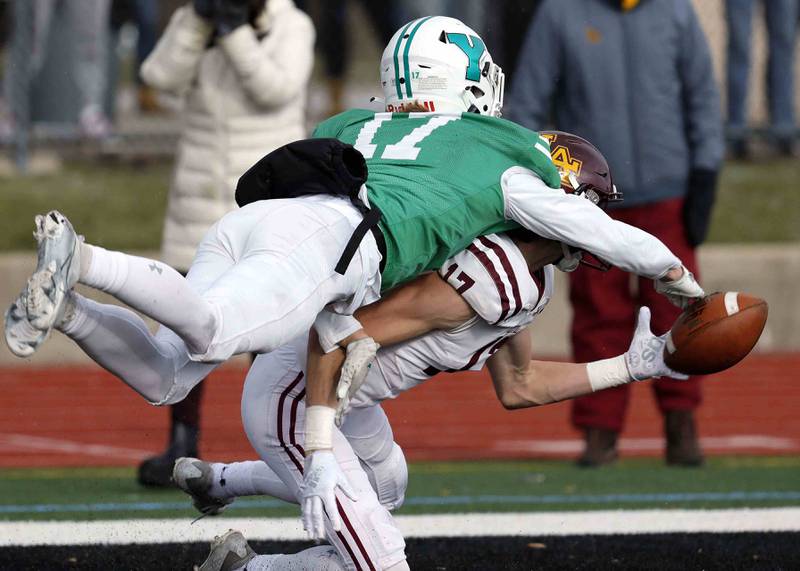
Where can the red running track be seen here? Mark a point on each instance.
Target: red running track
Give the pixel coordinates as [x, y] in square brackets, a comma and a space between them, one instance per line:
[85, 417]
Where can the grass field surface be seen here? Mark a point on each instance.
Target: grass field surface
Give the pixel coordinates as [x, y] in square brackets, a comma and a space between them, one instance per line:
[85, 494]
[122, 206]
[731, 514]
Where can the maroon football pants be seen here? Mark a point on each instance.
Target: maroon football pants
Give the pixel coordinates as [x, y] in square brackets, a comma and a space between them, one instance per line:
[604, 314]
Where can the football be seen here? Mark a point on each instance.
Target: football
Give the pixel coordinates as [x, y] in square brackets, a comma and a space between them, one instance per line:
[715, 333]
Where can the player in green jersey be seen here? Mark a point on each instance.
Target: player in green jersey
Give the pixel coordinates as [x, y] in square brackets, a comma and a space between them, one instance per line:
[265, 273]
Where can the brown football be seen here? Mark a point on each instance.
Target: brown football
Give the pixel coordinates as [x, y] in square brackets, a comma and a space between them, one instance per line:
[715, 333]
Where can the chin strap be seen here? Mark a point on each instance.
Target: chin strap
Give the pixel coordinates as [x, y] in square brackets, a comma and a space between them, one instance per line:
[570, 261]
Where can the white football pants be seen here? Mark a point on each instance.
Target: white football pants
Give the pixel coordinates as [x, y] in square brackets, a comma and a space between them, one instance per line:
[260, 277]
[273, 414]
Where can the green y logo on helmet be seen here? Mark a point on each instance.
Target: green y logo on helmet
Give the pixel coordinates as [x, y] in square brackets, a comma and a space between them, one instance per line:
[473, 51]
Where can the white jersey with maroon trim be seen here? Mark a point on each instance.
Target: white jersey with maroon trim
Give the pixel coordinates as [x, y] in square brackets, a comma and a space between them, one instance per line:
[492, 276]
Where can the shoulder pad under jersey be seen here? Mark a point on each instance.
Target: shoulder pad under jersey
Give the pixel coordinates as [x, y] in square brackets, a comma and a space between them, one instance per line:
[492, 276]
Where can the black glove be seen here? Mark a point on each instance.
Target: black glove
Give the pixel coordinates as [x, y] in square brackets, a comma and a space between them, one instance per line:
[204, 8]
[230, 14]
[698, 205]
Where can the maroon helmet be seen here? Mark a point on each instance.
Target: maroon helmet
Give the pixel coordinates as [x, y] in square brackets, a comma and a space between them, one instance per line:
[584, 171]
[582, 167]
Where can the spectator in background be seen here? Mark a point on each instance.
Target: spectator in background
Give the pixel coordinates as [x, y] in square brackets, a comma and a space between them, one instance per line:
[635, 78]
[88, 21]
[781, 16]
[145, 15]
[331, 17]
[243, 67]
[515, 18]
[471, 12]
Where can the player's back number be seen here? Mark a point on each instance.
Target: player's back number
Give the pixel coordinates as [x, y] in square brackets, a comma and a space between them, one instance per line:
[405, 149]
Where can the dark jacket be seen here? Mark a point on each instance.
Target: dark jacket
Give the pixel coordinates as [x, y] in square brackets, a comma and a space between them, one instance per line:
[638, 84]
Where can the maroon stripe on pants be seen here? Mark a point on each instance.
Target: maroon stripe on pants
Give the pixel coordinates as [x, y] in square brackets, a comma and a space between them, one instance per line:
[498, 283]
[281, 402]
[299, 465]
[353, 533]
[506, 263]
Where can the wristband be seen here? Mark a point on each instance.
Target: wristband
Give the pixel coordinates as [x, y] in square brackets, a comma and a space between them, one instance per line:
[319, 428]
[608, 373]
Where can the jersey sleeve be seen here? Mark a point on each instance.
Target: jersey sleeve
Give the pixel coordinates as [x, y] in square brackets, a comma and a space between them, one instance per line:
[575, 221]
[491, 279]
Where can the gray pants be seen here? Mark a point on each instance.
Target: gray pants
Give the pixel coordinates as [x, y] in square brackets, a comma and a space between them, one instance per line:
[88, 22]
[781, 16]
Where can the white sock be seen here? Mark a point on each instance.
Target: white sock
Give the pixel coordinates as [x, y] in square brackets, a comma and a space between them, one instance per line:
[253, 478]
[153, 288]
[318, 558]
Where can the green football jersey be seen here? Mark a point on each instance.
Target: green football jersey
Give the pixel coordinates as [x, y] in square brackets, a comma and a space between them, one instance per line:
[436, 179]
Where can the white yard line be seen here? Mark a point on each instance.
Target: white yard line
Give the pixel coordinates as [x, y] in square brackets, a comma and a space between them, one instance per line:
[144, 531]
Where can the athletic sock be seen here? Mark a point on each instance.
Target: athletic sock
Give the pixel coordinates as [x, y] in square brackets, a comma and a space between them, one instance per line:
[153, 288]
[252, 478]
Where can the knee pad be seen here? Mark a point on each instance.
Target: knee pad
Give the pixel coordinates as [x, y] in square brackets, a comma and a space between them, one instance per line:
[389, 478]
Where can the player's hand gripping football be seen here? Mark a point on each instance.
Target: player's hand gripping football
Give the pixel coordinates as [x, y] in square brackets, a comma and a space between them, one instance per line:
[360, 355]
[645, 357]
[681, 291]
[322, 475]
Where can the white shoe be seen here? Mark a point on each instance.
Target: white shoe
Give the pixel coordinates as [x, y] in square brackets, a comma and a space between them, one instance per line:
[57, 270]
[195, 477]
[229, 551]
[22, 338]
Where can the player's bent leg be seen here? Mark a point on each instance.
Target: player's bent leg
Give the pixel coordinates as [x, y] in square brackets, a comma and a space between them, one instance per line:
[157, 367]
[156, 290]
[273, 413]
[212, 486]
[368, 431]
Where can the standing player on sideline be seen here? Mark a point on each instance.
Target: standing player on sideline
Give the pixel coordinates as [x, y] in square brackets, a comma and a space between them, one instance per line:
[265, 272]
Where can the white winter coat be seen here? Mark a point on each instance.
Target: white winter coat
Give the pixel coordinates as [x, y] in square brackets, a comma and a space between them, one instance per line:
[245, 96]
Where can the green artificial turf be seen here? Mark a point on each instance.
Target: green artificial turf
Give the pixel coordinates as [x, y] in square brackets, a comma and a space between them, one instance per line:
[436, 487]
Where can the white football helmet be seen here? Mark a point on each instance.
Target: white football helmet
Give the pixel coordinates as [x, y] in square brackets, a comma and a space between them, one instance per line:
[443, 65]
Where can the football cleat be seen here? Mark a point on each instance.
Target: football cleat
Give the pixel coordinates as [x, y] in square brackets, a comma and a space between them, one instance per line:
[229, 551]
[57, 270]
[22, 338]
[196, 478]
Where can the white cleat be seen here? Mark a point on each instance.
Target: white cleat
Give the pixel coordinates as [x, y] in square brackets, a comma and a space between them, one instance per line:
[195, 477]
[229, 551]
[57, 270]
[22, 338]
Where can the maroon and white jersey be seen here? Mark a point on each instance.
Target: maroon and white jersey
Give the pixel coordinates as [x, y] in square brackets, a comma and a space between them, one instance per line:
[492, 276]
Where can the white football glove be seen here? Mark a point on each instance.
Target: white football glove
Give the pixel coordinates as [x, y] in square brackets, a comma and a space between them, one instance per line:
[360, 356]
[681, 292]
[321, 477]
[645, 357]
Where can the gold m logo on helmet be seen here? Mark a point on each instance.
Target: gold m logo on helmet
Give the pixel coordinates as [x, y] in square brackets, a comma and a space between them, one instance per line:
[564, 162]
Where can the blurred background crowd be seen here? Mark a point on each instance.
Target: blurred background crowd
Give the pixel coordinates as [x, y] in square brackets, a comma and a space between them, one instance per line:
[662, 87]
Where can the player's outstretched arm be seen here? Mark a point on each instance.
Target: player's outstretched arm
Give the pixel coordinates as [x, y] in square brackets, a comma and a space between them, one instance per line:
[521, 382]
[576, 221]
